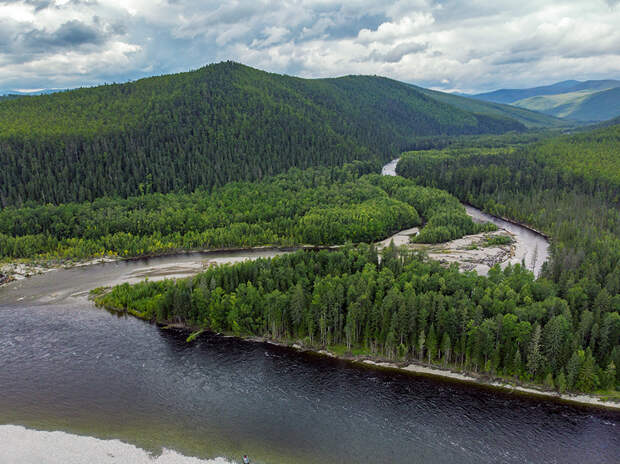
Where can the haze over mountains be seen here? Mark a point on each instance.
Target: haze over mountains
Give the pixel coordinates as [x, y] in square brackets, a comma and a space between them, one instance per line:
[594, 100]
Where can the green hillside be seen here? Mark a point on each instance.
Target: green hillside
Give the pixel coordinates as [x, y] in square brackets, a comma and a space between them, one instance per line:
[528, 117]
[571, 100]
[512, 95]
[584, 105]
[204, 128]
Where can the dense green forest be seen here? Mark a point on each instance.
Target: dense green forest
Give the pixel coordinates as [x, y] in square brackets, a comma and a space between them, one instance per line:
[567, 187]
[318, 206]
[398, 307]
[221, 123]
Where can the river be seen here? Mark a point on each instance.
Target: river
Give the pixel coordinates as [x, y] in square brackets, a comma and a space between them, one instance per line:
[116, 388]
[530, 248]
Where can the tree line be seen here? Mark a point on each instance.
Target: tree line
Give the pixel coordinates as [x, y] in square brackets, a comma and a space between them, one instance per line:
[560, 186]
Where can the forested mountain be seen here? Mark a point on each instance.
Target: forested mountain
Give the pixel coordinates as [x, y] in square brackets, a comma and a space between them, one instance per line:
[531, 119]
[204, 128]
[572, 100]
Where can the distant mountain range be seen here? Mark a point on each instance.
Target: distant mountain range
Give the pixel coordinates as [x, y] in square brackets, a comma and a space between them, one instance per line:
[530, 119]
[595, 100]
[20, 93]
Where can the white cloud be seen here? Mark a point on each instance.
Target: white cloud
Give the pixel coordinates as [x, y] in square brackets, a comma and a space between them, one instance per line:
[408, 26]
[452, 44]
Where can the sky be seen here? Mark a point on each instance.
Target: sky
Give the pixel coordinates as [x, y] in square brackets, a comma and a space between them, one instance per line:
[467, 46]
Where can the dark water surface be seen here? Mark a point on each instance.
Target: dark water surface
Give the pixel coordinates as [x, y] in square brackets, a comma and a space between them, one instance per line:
[77, 368]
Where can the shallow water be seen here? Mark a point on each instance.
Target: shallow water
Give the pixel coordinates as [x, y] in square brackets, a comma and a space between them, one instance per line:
[531, 248]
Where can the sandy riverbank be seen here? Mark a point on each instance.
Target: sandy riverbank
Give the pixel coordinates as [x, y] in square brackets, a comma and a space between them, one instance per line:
[27, 446]
[28, 268]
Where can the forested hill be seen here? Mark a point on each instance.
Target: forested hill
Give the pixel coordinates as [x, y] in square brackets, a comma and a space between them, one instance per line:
[204, 128]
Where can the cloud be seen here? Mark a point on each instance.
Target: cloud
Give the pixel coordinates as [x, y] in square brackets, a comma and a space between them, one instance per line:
[395, 54]
[71, 34]
[450, 44]
[406, 26]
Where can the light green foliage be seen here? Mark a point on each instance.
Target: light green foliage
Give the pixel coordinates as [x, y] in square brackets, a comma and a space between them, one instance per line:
[318, 206]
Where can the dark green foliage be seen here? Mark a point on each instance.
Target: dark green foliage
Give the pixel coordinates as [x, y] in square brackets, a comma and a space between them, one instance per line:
[399, 307]
[446, 218]
[222, 123]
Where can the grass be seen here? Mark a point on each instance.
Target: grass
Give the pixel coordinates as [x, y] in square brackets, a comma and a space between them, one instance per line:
[608, 395]
[497, 240]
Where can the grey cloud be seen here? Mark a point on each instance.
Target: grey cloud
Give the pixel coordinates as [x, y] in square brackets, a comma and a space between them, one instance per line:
[398, 52]
[349, 26]
[515, 59]
[473, 44]
[37, 4]
[73, 33]
[40, 5]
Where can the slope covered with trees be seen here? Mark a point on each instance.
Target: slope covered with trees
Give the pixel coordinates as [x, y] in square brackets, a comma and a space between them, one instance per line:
[205, 128]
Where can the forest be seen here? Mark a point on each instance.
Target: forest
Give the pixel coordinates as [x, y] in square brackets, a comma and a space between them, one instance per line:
[317, 206]
[398, 306]
[197, 130]
[566, 187]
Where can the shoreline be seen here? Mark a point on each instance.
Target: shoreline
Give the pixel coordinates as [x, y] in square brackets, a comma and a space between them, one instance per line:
[511, 221]
[447, 374]
[19, 270]
[13, 271]
[411, 367]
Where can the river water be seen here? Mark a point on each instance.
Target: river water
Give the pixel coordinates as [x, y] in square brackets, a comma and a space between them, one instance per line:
[69, 367]
[530, 248]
